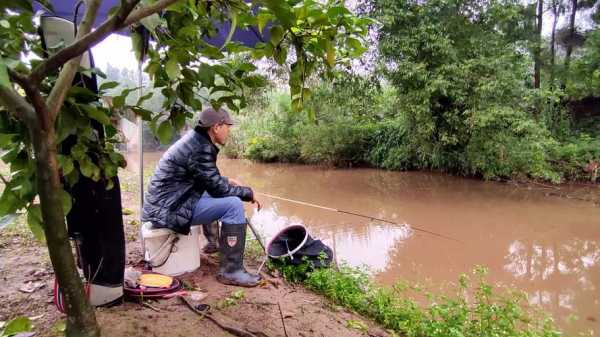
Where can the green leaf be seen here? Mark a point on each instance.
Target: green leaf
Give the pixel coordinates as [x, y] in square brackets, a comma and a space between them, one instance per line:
[179, 121]
[9, 202]
[144, 113]
[6, 140]
[280, 55]
[254, 81]
[17, 325]
[18, 4]
[283, 12]
[108, 85]
[4, 80]
[247, 67]
[144, 98]
[172, 69]
[330, 55]
[118, 101]
[276, 34]
[336, 11]
[262, 19]
[206, 74]
[137, 44]
[165, 132]
[357, 46]
[212, 52]
[97, 114]
[66, 201]
[66, 164]
[34, 219]
[89, 169]
[151, 22]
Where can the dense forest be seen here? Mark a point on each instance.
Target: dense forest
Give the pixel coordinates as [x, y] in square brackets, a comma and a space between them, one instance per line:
[497, 89]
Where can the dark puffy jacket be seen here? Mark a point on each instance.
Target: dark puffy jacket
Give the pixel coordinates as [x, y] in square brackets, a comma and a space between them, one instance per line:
[183, 174]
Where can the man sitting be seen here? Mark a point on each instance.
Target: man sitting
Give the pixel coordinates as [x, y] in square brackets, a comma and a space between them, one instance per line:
[188, 189]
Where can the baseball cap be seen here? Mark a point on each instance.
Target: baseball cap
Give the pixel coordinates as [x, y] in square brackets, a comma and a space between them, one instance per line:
[210, 117]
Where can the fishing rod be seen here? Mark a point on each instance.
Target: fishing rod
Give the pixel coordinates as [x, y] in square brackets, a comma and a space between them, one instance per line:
[355, 214]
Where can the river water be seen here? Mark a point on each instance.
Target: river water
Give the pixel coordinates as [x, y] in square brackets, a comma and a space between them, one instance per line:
[528, 238]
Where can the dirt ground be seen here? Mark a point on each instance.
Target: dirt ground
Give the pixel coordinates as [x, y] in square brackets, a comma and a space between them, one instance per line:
[25, 264]
[275, 308]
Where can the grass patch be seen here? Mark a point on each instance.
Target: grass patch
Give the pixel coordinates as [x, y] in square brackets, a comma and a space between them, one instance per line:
[476, 309]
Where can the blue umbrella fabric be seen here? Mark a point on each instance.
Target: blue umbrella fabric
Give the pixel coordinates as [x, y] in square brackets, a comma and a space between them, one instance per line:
[66, 9]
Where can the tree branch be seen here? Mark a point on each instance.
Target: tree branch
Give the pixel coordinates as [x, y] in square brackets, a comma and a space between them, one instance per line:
[35, 97]
[145, 11]
[17, 104]
[67, 73]
[123, 18]
[84, 41]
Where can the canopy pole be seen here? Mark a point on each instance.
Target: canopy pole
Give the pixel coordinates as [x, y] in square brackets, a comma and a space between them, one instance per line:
[140, 124]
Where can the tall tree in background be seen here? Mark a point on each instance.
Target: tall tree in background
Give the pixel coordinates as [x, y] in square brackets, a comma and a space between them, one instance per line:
[537, 50]
[571, 33]
[557, 9]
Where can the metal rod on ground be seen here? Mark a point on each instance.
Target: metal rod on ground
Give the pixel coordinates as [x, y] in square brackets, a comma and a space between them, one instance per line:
[355, 214]
[256, 235]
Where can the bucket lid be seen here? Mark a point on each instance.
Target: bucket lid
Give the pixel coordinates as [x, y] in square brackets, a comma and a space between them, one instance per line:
[288, 241]
[148, 231]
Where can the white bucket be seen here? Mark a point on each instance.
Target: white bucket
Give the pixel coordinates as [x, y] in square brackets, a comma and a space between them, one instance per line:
[170, 253]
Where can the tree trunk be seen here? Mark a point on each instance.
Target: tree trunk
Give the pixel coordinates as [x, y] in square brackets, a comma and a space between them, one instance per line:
[571, 34]
[81, 320]
[538, 45]
[556, 12]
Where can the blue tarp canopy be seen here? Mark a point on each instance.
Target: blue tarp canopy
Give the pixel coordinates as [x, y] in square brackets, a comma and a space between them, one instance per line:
[66, 9]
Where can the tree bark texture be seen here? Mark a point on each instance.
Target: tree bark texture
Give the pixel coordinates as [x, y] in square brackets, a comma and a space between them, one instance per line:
[571, 34]
[538, 45]
[81, 320]
[556, 13]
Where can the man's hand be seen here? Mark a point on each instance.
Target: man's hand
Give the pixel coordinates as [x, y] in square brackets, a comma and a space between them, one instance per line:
[258, 206]
[235, 182]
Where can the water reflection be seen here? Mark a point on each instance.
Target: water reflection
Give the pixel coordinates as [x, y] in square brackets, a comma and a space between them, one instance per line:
[371, 248]
[565, 275]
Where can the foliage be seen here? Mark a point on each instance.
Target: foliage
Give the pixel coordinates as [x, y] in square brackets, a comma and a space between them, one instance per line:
[475, 309]
[233, 299]
[15, 326]
[506, 143]
[584, 79]
[500, 142]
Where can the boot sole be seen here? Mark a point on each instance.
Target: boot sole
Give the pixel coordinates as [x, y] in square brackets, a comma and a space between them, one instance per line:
[233, 283]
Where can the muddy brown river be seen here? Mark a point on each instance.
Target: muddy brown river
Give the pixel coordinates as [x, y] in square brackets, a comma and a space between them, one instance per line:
[528, 238]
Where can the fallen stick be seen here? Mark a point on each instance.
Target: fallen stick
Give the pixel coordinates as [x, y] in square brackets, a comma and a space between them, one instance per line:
[148, 305]
[231, 329]
[282, 319]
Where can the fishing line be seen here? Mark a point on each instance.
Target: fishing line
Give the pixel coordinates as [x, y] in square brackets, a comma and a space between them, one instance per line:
[355, 214]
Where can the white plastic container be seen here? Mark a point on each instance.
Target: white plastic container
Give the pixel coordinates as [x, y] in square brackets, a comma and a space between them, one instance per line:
[170, 253]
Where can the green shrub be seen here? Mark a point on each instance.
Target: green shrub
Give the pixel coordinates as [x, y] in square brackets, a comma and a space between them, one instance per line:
[507, 143]
[341, 143]
[494, 141]
[390, 147]
[573, 155]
